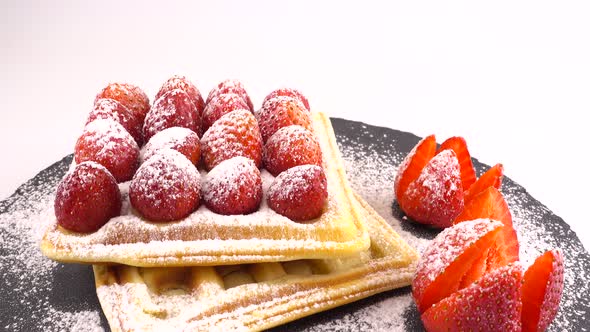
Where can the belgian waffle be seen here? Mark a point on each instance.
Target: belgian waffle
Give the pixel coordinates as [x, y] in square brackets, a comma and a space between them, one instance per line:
[206, 238]
[252, 296]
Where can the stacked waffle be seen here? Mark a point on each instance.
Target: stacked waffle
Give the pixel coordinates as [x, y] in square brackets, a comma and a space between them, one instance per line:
[206, 238]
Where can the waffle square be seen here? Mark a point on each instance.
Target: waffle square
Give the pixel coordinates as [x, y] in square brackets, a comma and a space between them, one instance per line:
[252, 297]
[206, 238]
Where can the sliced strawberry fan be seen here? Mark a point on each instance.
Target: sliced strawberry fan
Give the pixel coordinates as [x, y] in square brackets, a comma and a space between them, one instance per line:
[491, 204]
[457, 287]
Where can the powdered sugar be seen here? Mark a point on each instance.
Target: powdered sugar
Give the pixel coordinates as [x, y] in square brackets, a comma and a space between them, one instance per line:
[436, 197]
[111, 109]
[221, 105]
[172, 138]
[231, 86]
[371, 155]
[182, 83]
[108, 136]
[233, 187]
[165, 185]
[371, 158]
[291, 146]
[32, 298]
[173, 109]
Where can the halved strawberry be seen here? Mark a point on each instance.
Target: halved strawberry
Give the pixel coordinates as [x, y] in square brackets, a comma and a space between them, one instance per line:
[541, 291]
[490, 204]
[491, 178]
[449, 257]
[459, 145]
[436, 196]
[412, 166]
[493, 303]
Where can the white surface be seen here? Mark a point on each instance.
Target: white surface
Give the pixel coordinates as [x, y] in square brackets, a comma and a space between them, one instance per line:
[512, 78]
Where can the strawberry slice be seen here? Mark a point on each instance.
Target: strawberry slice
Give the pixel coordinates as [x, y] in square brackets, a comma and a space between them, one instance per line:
[491, 178]
[541, 291]
[449, 257]
[493, 303]
[490, 204]
[459, 145]
[436, 196]
[412, 166]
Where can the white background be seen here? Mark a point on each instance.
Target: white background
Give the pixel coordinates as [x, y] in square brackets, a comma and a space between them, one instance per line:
[513, 78]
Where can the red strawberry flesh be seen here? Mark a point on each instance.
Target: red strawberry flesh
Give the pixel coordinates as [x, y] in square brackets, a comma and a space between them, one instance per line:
[449, 257]
[436, 196]
[491, 204]
[491, 178]
[541, 291]
[493, 303]
[459, 145]
[413, 164]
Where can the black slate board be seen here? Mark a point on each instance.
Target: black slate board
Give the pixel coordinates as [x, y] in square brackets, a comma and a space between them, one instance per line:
[73, 285]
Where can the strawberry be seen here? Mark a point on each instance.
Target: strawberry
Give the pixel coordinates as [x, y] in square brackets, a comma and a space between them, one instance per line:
[130, 96]
[459, 145]
[436, 196]
[449, 257]
[173, 109]
[166, 187]
[493, 303]
[491, 178]
[541, 291]
[106, 142]
[289, 147]
[287, 92]
[490, 204]
[280, 112]
[87, 197]
[180, 139]
[412, 166]
[111, 109]
[234, 134]
[231, 86]
[182, 83]
[299, 193]
[221, 105]
[232, 187]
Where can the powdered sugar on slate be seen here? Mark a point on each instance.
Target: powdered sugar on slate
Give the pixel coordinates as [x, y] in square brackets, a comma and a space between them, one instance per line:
[371, 162]
[25, 216]
[27, 277]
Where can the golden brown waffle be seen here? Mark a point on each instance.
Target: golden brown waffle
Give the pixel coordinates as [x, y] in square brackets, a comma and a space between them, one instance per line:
[206, 238]
[252, 296]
